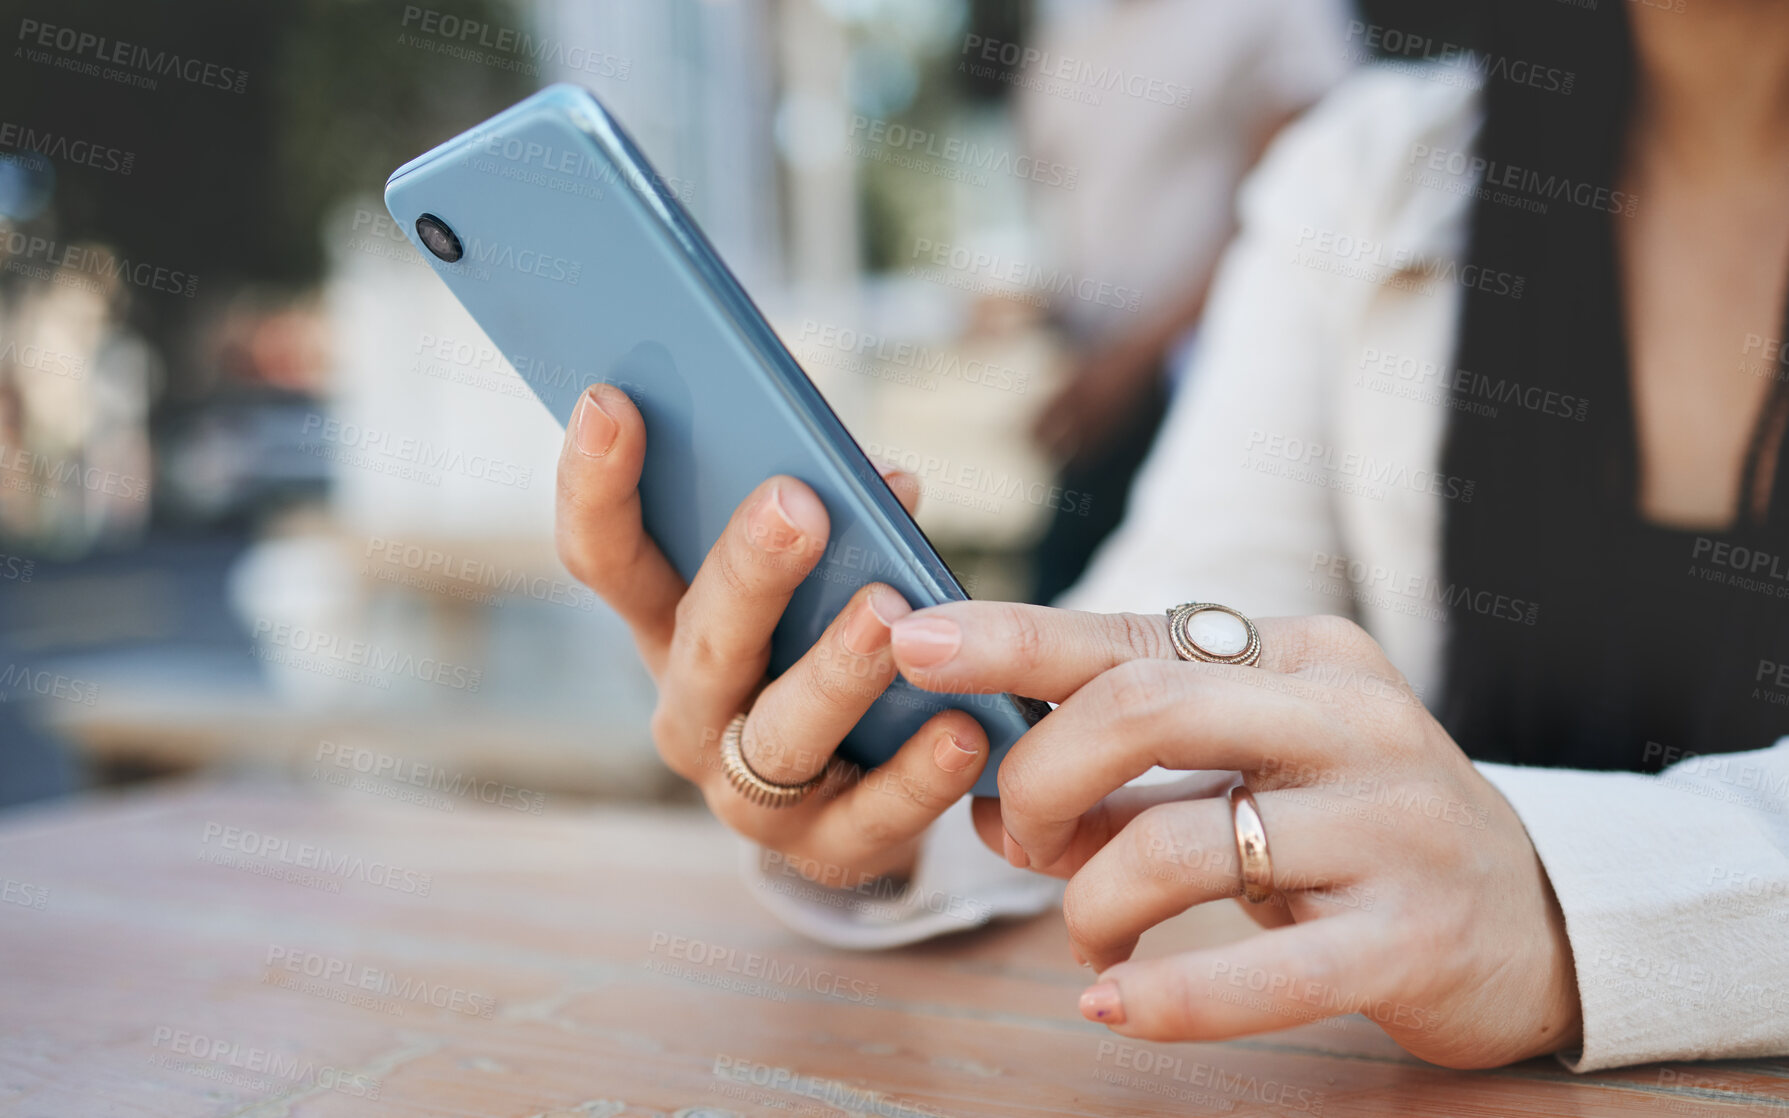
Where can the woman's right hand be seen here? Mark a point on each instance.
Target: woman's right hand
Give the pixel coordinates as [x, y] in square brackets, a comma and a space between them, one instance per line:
[707, 646]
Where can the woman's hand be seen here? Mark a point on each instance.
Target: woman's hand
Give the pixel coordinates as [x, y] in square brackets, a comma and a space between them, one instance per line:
[1409, 891]
[707, 645]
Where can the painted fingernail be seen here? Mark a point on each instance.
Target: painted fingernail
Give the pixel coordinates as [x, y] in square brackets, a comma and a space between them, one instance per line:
[1102, 1004]
[593, 429]
[926, 642]
[952, 755]
[867, 632]
[772, 529]
[1014, 852]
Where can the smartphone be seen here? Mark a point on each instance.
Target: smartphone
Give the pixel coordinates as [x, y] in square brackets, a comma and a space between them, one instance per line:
[581, 264]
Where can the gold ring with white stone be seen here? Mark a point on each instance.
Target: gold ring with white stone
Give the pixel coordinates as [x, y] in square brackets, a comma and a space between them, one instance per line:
[1213, 634]
[749, 784]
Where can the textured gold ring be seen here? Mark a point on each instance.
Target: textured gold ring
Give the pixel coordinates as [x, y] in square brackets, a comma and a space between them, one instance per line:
[749, 784]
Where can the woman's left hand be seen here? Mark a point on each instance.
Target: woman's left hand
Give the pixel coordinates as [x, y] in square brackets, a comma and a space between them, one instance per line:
[1407, 887]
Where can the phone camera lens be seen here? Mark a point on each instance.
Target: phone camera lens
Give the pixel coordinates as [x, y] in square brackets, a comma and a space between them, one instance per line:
[439, 238]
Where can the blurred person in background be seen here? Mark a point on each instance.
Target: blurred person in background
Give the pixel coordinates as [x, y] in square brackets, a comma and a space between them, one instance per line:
[1529, 795]
[1151, 209]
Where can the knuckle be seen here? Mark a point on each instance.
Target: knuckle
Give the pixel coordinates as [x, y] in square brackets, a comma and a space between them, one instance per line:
[879, 829]
[774, 753]
[1337, 637]
[1016, 783]
[1177, 1013]
[837, 680]
[1141, 636]
[1136, 690]
[1081, 913]
[736, 581]
[1027, 644]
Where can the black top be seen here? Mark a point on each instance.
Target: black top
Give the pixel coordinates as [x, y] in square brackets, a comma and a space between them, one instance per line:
[1672, 643]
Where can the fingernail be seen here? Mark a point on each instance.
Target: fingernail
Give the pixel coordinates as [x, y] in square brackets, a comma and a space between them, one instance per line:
[1076, 952]
[1014, 852]
[1101, 1003]
[593, 430]
[772, 528]
[926, 642]
[867, 632]
[952, 755]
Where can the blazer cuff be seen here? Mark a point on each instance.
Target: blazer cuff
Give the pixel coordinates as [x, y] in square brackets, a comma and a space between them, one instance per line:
[959, 884]
[1676, 959]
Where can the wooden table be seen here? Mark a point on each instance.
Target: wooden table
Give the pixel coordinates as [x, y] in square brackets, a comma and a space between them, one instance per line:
[165, 952]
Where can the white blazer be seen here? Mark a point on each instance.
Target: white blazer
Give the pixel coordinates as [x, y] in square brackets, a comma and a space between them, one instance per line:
[1297, 474]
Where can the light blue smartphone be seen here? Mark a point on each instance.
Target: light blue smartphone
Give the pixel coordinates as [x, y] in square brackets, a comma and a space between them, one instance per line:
[579, 261]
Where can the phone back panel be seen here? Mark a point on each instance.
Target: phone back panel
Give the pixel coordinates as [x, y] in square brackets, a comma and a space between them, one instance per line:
[582, 268]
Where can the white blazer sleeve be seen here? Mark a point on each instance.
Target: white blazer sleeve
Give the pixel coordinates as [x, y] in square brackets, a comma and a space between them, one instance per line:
[1675, 890]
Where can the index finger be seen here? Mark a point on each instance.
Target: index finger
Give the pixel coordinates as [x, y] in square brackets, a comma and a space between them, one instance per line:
[972, 647]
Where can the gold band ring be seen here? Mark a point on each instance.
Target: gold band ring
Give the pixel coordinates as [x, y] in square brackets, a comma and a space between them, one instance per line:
[1251, 845]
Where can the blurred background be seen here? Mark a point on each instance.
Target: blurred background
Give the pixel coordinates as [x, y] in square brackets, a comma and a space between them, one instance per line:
[985, 227]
